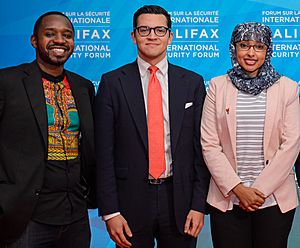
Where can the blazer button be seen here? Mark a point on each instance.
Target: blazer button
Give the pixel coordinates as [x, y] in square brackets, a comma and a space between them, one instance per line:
[267, 162]
[37, 192]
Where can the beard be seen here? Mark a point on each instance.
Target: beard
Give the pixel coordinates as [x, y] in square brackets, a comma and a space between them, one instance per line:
[49, 57]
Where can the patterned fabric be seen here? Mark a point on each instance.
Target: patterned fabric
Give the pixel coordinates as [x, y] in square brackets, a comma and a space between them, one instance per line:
[63, 120]
[267, 75]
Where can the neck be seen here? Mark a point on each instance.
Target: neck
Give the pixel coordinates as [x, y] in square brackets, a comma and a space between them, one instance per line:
[152, 61]
[252, 74]
[52, 70]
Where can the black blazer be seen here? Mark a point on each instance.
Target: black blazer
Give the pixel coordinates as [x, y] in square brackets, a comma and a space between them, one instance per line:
[23, 142]
[122, 146]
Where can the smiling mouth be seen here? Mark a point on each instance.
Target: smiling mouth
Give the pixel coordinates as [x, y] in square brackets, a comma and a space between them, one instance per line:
[152, 44]
[250, 62]
[58, 51]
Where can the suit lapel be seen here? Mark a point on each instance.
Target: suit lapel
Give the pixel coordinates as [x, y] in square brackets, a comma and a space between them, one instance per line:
[132, 87]
[35, 92]
[230, 112]
[178, 88]
[271, 109]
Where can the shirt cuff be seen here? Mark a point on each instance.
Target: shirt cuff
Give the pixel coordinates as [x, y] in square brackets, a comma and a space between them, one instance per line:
[109, 216]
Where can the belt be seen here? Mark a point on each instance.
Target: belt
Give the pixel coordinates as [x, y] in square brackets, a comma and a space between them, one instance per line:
[160, 180]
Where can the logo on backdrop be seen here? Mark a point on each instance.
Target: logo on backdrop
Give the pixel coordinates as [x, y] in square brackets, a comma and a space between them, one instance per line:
[196, 34]
[92, 34]
[285, 25]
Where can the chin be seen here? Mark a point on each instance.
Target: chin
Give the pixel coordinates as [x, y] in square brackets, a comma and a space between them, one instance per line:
[59, 61]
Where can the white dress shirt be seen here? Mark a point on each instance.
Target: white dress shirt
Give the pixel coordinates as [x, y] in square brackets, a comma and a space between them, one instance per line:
[162, 76]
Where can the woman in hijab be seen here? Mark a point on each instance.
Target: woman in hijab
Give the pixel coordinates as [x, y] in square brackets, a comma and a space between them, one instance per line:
[250, 136]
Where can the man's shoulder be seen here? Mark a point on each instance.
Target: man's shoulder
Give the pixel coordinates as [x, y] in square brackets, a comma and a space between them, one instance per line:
[72, 76]
[77, 76]
[15, 69]
[184, 71]
[127, 68]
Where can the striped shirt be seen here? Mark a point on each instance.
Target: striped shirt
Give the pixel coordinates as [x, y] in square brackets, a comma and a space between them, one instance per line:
[250, 117]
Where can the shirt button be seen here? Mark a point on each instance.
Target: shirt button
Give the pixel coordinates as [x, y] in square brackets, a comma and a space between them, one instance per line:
[37, 192]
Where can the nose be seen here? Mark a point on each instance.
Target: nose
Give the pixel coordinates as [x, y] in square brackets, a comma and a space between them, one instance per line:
[59, 38]
[152, 35]
[251, 51]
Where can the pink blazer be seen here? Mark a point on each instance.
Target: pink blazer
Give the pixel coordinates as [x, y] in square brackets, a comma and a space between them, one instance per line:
[281, 142]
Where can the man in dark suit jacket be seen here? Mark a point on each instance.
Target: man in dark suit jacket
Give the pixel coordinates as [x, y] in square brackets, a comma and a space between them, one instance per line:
[46, 144]
[136, 205]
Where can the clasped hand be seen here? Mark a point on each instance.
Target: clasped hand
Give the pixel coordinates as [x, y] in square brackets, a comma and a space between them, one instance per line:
[250, 198]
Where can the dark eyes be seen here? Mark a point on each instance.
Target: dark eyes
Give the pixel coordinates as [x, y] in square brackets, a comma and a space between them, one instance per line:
[243, 45]
[68, 36]
[65, 35]
[257, 47]
[49, 34]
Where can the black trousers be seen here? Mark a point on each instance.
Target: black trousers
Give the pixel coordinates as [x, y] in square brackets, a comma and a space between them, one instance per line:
[264, 228]
[37, 235]
[162, 226]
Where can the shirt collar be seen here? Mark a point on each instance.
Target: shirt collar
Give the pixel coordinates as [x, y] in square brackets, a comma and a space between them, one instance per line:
[51, 78]
[143, 66]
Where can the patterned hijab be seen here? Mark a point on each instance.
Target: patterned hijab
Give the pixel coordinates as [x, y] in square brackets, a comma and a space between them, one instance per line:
[267, 75]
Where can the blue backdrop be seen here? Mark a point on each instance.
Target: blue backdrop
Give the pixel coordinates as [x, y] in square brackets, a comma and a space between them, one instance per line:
[202, 30]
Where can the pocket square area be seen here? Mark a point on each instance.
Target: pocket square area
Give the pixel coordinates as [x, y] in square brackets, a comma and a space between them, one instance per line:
[188, 104]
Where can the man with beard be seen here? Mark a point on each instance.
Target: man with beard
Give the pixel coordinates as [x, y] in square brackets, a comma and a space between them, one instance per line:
[46, 145]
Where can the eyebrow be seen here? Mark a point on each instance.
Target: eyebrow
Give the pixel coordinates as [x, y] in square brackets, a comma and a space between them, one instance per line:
[65, 29]
[250, 41]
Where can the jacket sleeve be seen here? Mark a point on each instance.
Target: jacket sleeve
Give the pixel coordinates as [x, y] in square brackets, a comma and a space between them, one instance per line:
[281, 164]
[1, 96]
[107, 197]
[219, 166]
[201, 173]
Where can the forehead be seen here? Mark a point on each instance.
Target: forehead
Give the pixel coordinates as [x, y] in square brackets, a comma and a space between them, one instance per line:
[55, 22]
[151, 20]
[250, 42]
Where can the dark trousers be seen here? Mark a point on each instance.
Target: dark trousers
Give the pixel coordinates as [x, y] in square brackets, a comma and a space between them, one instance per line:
[162, 226]
[264, 228]
[37, 235]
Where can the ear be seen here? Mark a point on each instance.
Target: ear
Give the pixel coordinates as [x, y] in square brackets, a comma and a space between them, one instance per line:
[33, 41]
[171, 35]
[133, 37]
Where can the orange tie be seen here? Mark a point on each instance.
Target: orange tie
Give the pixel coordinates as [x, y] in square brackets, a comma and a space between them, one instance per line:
[157, 163]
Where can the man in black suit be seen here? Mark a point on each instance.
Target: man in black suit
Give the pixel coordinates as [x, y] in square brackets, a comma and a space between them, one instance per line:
[46, 144]
[152, 181]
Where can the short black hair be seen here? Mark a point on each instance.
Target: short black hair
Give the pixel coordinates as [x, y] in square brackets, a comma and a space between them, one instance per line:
[151, 9]
[40, 19]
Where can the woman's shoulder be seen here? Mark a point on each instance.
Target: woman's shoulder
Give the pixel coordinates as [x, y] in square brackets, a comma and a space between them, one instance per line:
[288, 83]
[221, 78]
[219, 81]
[288, 87]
